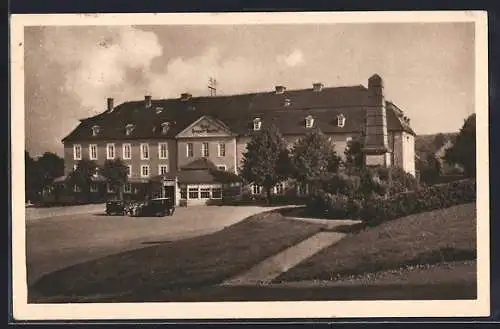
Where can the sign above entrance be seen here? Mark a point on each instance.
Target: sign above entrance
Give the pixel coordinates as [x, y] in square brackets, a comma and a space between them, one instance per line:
[206, 127]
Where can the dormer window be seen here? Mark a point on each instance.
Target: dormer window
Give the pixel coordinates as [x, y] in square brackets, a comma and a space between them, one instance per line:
[287, 102]
[164, 127]
[158, 109]
[309, 121]
[340, 120]
[129, 128]
[257, 124]
[95, 130]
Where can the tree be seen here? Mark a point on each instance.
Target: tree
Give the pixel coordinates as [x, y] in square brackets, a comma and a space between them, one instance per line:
[312, 157]
[82, 176]
[463, 151]
[30, 178]
[439, 140]
[265, 162]
[354, 154]
[50, 166]
[431, 170]
[115, 172]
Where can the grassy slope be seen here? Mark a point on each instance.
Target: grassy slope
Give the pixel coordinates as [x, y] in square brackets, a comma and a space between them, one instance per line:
[441, 235]
[187, 263]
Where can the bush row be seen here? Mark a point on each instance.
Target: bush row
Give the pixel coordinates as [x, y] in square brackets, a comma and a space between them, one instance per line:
[374, 209]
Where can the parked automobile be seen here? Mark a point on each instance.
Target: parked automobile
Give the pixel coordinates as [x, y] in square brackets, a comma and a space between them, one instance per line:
[115, 207]
[154, 207]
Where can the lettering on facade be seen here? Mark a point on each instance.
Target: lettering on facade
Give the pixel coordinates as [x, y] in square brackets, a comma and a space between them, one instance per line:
[204, 129]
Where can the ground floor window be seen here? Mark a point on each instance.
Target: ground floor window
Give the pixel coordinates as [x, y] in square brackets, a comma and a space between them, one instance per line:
[279, 188]
[216, 193]
[93, 187]
[256, 189]
[193, 192]
[205, 193]
[76, 188]
[127, 188]
[183, 192]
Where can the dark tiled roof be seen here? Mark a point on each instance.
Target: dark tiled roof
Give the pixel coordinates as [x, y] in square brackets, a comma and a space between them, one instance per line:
[237, 113]
[200, 176]
[199, 164]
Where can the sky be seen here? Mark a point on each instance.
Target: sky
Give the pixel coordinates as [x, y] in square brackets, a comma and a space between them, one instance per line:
[428, 68]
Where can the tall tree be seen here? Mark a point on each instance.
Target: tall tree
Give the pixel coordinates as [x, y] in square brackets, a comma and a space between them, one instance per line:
[82, 176]
[463, 151]
[312, 157]
[50, 166]
[354, 154]
[115, 172]
[265, 162]
[30, 178]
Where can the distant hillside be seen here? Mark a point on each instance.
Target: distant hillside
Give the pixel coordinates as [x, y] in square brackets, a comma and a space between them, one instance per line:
[426, 144]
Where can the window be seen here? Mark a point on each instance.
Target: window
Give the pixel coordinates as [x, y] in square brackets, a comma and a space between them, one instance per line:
[95, 130]
[162, 151]
[128, 129]
[340, 120]
[216, 193]
[111, 188]
[189, 150]
[144, 171]
[127, 188]
[77, 152]
[93, 188]
[257, 124]
[222, 167]
[127, 151]
[162, 169]
[76, 188]
[287, 102]
[204, 149]
[129, 170]
[183, 192]
[93, 151]
[110, 151]
[256, 189]
[348, 139]
[309, 121]
[205, 193]
[164, 127]
[221, 149]
[279, 188]
[144, 151]
[193, 193]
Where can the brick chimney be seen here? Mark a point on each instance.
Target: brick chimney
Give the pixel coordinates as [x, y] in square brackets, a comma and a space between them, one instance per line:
[280, 89]
[376, 145]
[147, 101]
[317, 87]
[186, 96]
[110, 104]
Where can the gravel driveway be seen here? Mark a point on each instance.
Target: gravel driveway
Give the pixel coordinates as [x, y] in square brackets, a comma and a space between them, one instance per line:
[70, 237]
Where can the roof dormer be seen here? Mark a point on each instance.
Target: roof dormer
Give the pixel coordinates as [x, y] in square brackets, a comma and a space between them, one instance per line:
[96, 130]
[341, 120]
[164, 127]
[309, 121]
[129, 128]
[257, 124]
[158, 109]
[287, 102]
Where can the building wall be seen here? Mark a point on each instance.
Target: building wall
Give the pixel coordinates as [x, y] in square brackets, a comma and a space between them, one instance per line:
[228, 160]
[408, 146]
[135, 160]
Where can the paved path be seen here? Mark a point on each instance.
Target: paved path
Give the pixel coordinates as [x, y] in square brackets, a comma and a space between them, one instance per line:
[272, 267]
[70, 237]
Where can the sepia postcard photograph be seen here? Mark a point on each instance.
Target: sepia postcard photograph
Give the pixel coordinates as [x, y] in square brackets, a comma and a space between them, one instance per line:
[249, 165]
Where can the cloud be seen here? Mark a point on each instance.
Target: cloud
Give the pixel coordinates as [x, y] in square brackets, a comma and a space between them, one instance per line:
[293, 59]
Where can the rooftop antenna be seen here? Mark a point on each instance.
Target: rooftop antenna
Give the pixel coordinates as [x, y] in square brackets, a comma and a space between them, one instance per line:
[212, 86]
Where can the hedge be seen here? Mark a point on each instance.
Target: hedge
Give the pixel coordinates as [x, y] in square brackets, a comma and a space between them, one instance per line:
[375, 209]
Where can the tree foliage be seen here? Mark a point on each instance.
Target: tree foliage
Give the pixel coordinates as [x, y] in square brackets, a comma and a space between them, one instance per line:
[312, 157]
[40, 173]
[115, 172]
[463, 151]
[354, 154]
[265, 162]
[82, 175]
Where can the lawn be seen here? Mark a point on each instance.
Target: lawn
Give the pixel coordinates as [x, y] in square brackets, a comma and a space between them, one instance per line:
[191, 263]
[444, 235]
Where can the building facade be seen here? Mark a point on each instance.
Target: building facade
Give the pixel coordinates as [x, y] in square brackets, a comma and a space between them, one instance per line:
[192, 140]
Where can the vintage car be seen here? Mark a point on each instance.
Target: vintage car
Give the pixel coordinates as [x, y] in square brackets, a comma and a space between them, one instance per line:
[116, 207]
[154, 207]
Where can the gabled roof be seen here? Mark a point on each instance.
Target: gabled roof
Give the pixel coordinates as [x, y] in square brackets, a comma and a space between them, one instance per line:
[199, 164]
[237, 113]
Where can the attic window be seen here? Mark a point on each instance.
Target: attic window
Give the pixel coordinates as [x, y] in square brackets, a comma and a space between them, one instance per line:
[129, 128]
[158, 109]
[309, 121]
[287, 102]
[164, 127]
[257, 123]
[95, 130]
[340, 120]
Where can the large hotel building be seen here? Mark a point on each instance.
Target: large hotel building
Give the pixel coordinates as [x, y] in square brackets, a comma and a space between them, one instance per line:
[189, 141]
